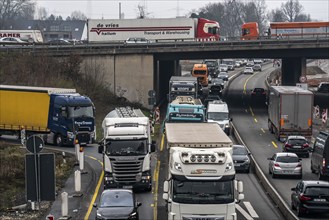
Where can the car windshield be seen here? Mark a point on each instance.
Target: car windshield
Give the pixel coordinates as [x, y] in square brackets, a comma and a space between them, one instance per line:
[239, 151]
[287, 159]
[317, 191]
[126, 147]
[210, 63]
[116, 199]
[203, 192]
[80, 111]
[297, 141]
[218, 115]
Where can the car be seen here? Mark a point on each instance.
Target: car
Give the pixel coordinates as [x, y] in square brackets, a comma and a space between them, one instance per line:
[12, 40]
[241, 158]
[216, 86]
[59, 42]
[117, 204]
[310, 196]
[223, 76]
[257, 61]
[257, 67]
[320, 155]
[210, 98]
[137, 40]
[250, 64]
[287, 164]
[258, 94]
[223, 67]
[248, 70]
[297, 144]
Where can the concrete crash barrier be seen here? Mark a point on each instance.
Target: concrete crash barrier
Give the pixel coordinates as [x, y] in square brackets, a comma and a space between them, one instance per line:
[274, 195]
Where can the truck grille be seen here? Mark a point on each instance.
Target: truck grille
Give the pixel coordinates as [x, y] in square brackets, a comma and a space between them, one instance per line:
[83, 137]
[126, 171]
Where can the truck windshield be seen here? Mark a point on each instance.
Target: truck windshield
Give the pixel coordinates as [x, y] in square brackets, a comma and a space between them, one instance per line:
[218, 115]
[80, 111]
[126, 147]
[203, 192]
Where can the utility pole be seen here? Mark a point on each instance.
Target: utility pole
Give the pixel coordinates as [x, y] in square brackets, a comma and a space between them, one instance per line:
[119, 10]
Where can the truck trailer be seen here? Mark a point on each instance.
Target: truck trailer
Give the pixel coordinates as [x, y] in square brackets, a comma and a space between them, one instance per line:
[31, 36]
[61, 115]
[201, 176]
[290, 111]
[155, 29]
[126, 148]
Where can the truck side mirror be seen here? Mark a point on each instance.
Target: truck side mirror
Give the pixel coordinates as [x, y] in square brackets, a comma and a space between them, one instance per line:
[240, 197]
[240, 187]
[153, 144]
[165, 196]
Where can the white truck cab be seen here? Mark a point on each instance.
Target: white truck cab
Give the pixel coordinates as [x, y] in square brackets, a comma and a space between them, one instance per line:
[217, 111]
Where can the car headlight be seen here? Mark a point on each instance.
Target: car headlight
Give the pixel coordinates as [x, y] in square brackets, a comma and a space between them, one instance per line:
[133, 215]
[70, 135]
[227, 125]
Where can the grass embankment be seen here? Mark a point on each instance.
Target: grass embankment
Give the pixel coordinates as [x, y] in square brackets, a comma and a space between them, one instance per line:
[12, 173]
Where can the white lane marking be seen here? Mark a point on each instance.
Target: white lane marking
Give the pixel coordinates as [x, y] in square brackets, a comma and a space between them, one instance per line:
[251, 210]
[243, 212]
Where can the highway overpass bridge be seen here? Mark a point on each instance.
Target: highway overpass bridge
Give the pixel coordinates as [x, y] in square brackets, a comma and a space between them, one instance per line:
[132, 70]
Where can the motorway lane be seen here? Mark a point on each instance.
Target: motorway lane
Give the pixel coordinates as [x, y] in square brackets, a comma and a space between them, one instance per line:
[251, 122]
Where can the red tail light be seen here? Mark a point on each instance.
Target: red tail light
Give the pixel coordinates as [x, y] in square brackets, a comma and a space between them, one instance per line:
[304, 198]
[263, 93]
[305, 145]
[288, 145]
[276, 165]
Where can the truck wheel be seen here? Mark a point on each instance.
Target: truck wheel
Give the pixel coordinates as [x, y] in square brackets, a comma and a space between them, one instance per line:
[149, 189]
[58, 140]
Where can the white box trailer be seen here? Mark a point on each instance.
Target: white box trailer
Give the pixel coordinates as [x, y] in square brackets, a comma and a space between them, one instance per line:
[290, 111]
[31, 36]
[107, 30]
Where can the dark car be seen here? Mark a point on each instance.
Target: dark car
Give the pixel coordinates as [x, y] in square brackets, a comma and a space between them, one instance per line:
[210, 98]
[59, 42]
[257, 67]
[241, 158]
[259, 95]
[309, 196]
[298, 145]
[117, 204]
[216, 86]
[223, 76]
[320, 155]
[323, 87]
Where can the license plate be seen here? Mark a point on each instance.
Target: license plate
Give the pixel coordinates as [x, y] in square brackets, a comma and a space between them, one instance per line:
[287, 172]
[127, 187]
[298, 147]
[319, 200]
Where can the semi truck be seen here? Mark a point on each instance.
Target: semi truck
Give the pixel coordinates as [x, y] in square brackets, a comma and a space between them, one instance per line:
[60, 115]
[126, 148]
[290, 111]
[279, 30]
[182, 86]
[31, 36]
[185, 109]
[154, 29]
[201, 180]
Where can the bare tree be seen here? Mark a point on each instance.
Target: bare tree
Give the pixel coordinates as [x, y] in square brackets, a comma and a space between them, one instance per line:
[142, 13]
[292, 9]
[42, 13]
[78, 15]
[276, 15]
[13, 10]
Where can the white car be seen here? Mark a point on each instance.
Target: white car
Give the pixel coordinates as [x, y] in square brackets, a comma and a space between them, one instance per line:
[12, 40]
[248, 70]
[223, 68]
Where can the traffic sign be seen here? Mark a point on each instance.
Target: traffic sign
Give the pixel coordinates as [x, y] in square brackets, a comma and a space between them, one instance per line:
[302, 79]
[34, 144]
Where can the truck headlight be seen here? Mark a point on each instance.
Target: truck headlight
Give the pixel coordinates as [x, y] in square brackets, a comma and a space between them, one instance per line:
[109, 178]
[70, 134]
[228, 167]
[178, 166]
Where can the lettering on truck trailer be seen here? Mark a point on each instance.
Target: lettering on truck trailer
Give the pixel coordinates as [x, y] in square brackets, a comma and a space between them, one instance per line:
[10, 35]
[203, 171]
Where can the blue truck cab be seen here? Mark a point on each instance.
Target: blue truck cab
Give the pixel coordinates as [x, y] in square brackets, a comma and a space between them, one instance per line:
[71, 114]
[185, 109]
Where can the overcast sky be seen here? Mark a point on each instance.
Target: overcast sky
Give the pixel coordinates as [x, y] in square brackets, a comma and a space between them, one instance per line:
[318, 9]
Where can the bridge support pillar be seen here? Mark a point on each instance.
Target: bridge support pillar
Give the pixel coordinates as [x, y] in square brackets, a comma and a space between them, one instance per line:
[165, 69]
[292, 69]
